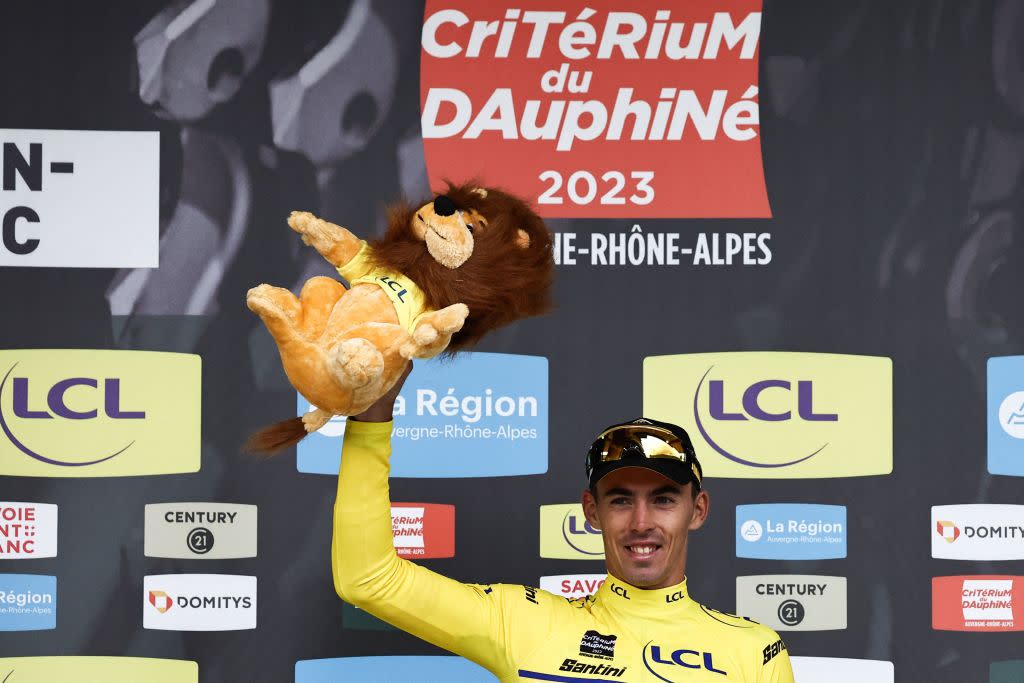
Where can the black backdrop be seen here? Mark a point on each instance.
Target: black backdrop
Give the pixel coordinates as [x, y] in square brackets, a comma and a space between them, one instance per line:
[893, 139]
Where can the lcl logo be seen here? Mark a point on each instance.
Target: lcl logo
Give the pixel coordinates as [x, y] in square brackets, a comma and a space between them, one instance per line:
[577, 531]
[752, 406]
[752, 399]
[25, 405]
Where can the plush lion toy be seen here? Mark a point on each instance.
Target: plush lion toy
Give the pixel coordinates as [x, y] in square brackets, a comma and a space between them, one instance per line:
[444, 275]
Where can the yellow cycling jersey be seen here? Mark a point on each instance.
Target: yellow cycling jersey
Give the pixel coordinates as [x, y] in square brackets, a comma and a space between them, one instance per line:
[409, 300]
[620, 634]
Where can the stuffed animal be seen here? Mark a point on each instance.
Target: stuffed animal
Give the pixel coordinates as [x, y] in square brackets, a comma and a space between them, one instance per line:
[444, 275]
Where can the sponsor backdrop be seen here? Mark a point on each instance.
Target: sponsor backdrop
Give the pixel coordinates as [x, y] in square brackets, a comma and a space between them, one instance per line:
[791, 228]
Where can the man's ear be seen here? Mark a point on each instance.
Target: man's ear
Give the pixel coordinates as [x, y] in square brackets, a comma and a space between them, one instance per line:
[701, 508]
[589, 503]
[522, 239]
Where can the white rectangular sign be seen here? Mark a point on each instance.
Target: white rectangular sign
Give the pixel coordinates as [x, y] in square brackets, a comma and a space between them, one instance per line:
[200, 531]
[978, 532]
[27, 530]
[793, 602]
[839, 670]
[572, 585]
[199, 602]
[80, 198]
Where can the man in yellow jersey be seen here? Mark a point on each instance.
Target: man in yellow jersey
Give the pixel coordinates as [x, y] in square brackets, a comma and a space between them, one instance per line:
[641, 626]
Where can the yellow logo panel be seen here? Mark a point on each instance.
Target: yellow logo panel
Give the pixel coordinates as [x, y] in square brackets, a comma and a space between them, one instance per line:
[79, 413]
[565, 534]
[773, 415]
[97, 670]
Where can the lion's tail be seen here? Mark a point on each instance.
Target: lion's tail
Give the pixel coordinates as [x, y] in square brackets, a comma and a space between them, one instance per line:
[276, 437]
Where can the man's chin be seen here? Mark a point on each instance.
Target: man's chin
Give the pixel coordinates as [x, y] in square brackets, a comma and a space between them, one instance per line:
[643, 577]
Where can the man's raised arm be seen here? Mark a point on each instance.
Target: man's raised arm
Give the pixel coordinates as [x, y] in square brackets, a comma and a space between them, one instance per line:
[470, 620]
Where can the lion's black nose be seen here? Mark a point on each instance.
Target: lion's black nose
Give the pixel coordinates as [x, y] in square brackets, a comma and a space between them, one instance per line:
[443, 206]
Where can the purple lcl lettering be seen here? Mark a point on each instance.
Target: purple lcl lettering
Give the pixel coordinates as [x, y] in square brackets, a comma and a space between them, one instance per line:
[20, 399]
[805, 404]
[55, 398]
[717, 402]
[753, 392]
[112, 402]
[587, 529]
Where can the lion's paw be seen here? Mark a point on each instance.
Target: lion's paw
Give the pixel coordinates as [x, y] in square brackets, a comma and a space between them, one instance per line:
[259, 300]
[356, 362]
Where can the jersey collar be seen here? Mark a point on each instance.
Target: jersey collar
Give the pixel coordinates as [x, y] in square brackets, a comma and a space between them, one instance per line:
[620, 596]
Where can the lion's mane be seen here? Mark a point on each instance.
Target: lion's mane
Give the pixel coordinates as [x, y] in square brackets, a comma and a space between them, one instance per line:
[499, 283]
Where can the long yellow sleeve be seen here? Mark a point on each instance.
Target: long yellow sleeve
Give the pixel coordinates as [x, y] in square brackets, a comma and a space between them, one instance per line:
[466, 619]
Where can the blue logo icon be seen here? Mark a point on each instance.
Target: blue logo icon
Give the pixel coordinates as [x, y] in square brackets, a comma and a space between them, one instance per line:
[28, 602]
[424, 668]
[1006, 415]
[793, 531]
[480, 415]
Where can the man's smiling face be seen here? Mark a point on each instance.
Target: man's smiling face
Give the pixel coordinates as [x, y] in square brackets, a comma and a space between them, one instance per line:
[645, 519]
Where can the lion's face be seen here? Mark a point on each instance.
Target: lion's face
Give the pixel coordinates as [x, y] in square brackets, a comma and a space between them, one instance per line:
[447, 226]
[484, 248]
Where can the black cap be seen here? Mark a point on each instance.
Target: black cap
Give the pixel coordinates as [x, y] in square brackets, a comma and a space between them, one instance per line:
[686, 470]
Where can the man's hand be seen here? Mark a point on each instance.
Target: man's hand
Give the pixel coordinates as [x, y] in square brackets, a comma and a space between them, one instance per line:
[383, 410]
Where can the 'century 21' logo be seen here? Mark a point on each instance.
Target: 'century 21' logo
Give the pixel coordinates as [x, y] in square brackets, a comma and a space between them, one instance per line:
[778, 415]
[98, 413]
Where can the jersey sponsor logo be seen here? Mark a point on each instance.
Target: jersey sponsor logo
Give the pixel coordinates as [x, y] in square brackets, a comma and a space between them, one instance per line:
[106, 669]
[1011, 671]
[978, 603]
[777, 415]
[27, 531]
[578, 667]
[423, 530]
[572, 585]
[404, 668]
[597, 645]
[770, 652]
[587, 93]
[200, 531]
[841, 670]
[978, 532]
[80, 413]
[80, 198]
[28, 602]
[567, 535]
[669, 663]
[793, 602]
[199, 602]
[1006, 415]
[791, 531]
[479, 415]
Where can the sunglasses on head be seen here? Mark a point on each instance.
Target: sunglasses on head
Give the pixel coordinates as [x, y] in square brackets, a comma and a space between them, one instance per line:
[641, 441]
